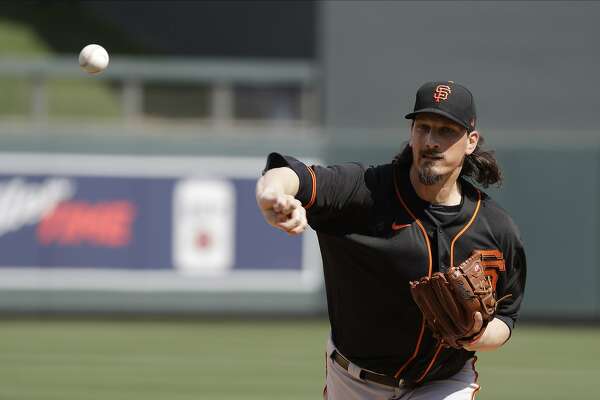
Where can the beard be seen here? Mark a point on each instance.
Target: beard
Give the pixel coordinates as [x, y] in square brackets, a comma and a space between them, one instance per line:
[427, 176]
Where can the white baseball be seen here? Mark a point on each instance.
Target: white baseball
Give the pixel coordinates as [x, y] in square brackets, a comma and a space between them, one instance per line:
[93, 58]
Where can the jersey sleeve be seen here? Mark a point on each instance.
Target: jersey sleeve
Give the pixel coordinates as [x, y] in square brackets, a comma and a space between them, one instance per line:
[305, 175]
[513, 285]
[337, 192]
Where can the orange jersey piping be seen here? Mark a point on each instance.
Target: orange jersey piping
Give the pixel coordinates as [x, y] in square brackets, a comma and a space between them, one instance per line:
[414, 354]
[435, 356]
[429, 267]
[313, 194]
[459, 234]
[464, 229]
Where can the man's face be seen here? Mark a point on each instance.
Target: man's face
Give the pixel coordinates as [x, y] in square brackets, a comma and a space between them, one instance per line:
[439, 146]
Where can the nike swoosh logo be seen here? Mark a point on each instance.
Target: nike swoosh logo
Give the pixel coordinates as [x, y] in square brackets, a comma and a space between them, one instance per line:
[397, 227]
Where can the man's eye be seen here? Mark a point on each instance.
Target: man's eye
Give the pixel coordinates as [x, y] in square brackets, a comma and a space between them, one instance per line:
[446, 131]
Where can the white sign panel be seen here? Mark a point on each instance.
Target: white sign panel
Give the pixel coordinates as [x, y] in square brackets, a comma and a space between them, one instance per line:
[203, 226]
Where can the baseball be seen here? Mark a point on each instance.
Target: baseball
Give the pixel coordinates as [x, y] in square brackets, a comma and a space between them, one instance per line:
[93, 58]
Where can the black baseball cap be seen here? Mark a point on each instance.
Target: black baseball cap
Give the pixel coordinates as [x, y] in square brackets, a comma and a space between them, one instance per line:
[447, 99]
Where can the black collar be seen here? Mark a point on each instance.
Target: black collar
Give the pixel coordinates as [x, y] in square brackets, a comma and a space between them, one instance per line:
[419, 206]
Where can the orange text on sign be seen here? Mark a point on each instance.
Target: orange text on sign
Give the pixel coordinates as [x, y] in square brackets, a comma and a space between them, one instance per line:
[104, 224]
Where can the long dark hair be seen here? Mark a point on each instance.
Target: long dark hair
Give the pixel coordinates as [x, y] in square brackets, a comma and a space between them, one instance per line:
[480, 166]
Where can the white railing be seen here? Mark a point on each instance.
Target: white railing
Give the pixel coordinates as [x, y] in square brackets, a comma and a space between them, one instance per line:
[221, 76]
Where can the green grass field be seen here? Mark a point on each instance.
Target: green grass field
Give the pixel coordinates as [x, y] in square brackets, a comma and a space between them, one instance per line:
[80, 360]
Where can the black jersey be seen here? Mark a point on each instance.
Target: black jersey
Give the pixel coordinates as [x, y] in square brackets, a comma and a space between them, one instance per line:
[376, 235]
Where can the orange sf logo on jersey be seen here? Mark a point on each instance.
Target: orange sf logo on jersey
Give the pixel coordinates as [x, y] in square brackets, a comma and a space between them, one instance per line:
[441, 93]
[493, 263]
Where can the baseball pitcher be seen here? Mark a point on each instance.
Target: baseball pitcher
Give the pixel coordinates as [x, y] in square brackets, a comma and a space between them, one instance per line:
[422, 268]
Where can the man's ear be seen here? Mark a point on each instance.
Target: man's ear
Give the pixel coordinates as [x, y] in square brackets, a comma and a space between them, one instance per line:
[472, 140]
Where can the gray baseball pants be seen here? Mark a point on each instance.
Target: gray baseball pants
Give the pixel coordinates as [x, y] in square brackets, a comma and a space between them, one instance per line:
[342, 385]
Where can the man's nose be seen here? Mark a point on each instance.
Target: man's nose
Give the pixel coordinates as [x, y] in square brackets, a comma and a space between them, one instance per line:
[430, 141]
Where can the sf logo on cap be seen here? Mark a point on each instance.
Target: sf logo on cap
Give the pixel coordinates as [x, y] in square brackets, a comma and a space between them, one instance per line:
[441, 93]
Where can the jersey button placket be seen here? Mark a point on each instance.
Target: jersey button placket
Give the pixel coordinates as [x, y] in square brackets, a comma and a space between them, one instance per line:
[440, 246]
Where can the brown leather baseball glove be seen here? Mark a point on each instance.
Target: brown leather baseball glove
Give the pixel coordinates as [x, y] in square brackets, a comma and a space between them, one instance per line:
[449, 302]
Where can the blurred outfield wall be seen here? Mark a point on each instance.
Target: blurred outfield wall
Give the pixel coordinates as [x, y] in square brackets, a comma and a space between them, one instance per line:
[529, 65]
[551, 191]
[145, 233]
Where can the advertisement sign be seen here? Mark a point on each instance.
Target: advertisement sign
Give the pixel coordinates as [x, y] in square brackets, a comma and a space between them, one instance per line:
[101, 221]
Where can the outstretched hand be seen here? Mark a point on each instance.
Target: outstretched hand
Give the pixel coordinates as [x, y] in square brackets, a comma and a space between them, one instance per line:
[282, 211]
